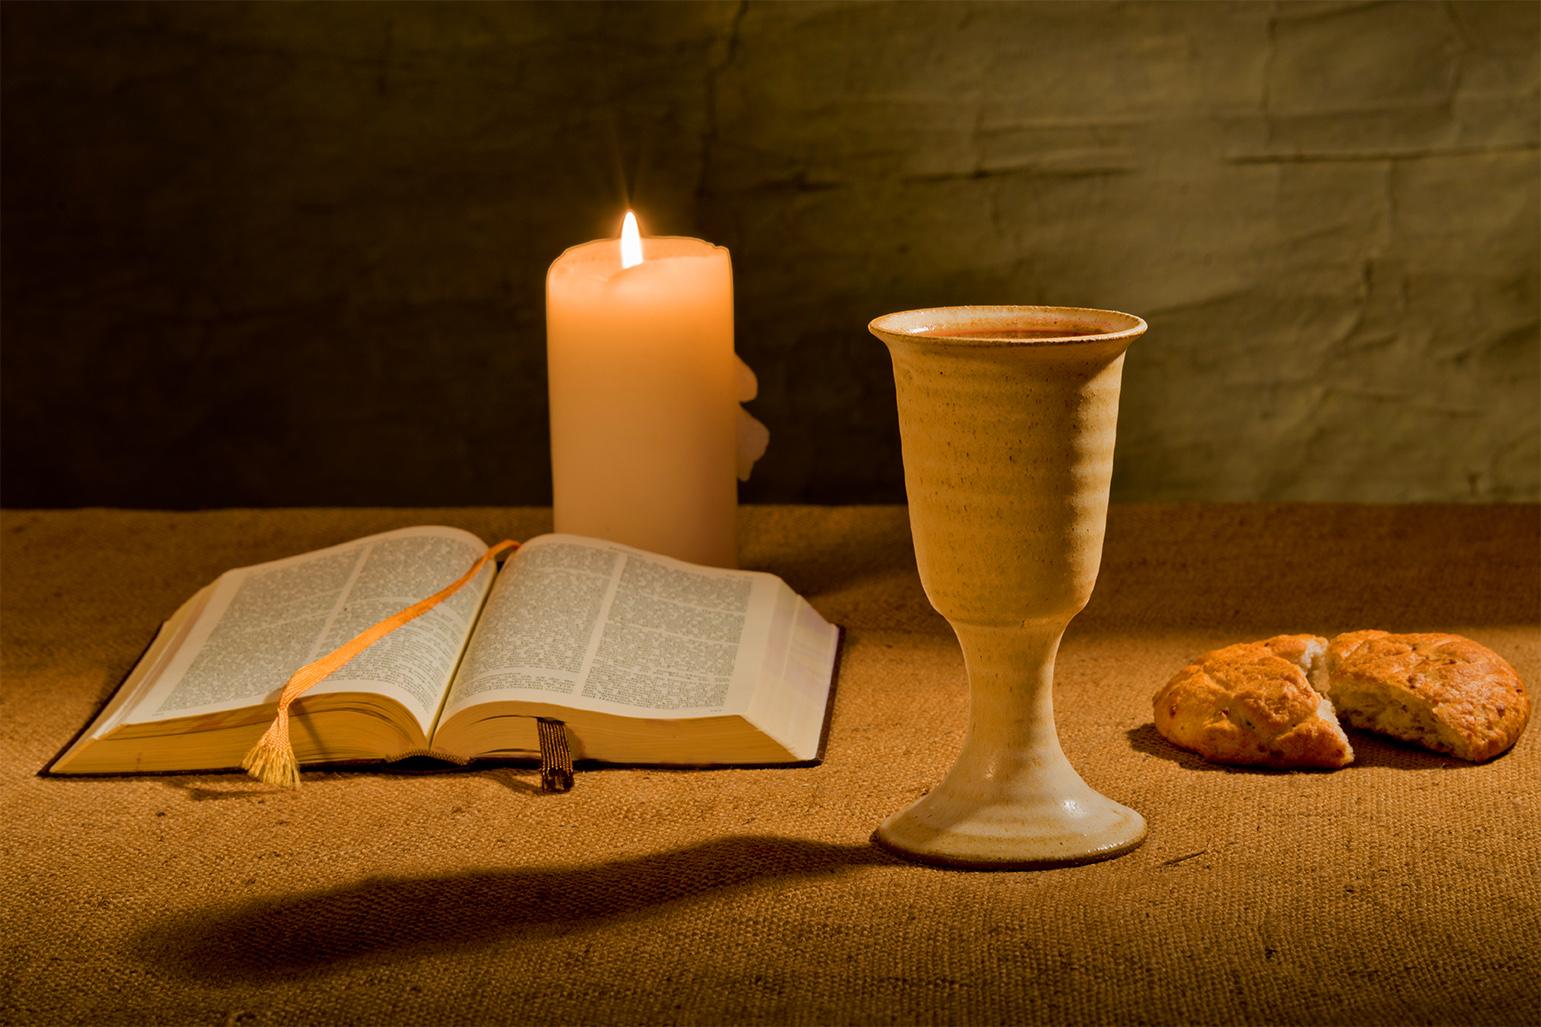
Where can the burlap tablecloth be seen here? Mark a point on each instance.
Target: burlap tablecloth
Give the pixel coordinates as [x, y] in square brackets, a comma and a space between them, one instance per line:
[1403, 889]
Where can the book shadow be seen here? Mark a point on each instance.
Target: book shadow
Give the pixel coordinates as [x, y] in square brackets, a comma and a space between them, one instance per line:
[393, 918]
[206, 787]
[1370, 750]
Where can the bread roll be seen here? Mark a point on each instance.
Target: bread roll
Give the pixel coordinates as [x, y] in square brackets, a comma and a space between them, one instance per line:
[1444, 692]
[1252, 703]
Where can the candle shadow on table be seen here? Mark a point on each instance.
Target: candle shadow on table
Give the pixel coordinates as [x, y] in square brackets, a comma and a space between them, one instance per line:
[388, 919]
[1370, 750]
[856, 565]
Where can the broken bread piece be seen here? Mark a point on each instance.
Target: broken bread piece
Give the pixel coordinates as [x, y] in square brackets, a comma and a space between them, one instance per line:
[1444, 692]
[1253, 703]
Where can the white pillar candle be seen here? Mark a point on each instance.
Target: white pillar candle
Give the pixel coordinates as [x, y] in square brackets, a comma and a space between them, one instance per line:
[644, 397]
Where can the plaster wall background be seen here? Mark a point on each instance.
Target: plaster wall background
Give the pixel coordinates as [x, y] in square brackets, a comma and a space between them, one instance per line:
[262, 254]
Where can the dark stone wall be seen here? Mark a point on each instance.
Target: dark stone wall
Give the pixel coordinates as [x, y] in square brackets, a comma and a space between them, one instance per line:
[271, 254]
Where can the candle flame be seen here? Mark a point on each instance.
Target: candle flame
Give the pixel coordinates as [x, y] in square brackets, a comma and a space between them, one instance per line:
[631, 242]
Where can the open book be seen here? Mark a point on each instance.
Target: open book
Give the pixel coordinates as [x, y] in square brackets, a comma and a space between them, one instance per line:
[646, 659]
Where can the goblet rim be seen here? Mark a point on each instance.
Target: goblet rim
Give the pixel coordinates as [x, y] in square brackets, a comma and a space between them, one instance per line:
[912, 325]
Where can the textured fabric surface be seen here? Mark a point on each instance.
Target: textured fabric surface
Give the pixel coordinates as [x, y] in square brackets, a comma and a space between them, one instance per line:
[1402, 889]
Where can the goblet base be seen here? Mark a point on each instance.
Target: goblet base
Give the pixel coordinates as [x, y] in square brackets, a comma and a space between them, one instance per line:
[1067, 824]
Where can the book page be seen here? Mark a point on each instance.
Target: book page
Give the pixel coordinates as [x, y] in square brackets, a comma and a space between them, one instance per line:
[263, 623]
[601, 626]
[536, 631]
[800, 655]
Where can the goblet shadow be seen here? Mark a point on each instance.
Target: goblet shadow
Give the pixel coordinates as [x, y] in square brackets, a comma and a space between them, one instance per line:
[272, 939]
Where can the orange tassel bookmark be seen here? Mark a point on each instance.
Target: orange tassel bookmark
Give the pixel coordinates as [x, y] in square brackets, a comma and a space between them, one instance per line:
[271, 760]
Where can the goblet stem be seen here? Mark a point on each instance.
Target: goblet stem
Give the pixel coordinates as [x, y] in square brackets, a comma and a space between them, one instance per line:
[1012, 800]
[1011, 697]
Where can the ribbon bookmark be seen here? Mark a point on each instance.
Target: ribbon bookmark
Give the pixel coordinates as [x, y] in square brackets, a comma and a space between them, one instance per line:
[271, 760]
[556, 760]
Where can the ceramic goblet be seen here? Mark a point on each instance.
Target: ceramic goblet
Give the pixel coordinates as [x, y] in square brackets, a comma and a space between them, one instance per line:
[1007, 418]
